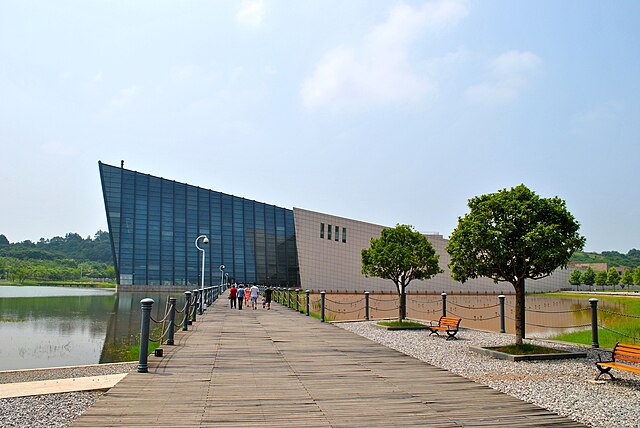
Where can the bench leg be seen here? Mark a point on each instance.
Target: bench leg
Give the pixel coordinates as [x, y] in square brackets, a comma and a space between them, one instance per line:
[433, 332]
[604, 370]
[451, 335]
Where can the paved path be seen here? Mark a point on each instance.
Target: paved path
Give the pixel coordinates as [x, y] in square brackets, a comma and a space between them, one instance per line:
[282, 369]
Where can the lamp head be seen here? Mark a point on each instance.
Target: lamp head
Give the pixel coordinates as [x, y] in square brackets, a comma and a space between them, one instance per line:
[205, 240]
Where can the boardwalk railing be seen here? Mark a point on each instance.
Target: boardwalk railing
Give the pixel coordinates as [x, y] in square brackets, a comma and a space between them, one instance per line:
[348, 306]
[168, 324]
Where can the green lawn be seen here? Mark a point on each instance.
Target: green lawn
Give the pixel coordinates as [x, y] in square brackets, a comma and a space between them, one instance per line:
[625, 325]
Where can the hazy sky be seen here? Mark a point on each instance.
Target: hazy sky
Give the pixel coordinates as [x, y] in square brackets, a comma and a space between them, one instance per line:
[382, 111]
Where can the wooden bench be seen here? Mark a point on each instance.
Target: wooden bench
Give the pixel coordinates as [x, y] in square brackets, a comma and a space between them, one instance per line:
[448, 324]
[621, 352]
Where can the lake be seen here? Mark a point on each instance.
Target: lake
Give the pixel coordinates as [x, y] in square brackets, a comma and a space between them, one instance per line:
[60, 326]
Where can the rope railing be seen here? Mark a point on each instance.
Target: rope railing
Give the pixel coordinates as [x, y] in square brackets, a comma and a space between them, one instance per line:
[559, 312]
[606, 311]
[410, 299]
[474, 307]
[335, 302]
[619, 333]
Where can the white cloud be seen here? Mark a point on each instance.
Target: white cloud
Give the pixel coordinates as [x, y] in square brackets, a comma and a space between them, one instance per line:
[97, 78]
[182, 72]
[380, 71]
[251, 13]
[507, 76]
[125, 97]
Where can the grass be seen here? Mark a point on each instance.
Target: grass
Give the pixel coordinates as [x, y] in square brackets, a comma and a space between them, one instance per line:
[401, 324]
[87, 284]
[607, 339]
[524, 349]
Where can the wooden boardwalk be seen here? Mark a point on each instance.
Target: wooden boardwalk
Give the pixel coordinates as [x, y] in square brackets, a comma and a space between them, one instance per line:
[279, 368]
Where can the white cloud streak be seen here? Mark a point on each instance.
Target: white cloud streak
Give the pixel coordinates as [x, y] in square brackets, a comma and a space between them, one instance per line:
[379, 72]
[251, 13]
[507, 76]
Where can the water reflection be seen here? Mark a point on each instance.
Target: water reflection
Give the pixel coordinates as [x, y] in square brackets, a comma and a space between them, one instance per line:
[58, 327]
[61, 326]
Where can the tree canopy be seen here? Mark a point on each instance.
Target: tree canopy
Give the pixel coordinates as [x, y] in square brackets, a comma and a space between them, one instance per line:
[400, 254]
[588, 277]
[575, 278]
[513, 235]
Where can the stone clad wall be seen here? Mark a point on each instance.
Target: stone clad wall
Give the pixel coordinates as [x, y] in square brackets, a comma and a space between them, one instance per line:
[335, 265]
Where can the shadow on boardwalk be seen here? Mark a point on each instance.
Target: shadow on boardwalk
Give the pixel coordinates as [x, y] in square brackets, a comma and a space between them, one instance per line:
[279, 368]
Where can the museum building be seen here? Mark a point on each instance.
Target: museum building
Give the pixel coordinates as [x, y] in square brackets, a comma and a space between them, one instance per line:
[154, 223]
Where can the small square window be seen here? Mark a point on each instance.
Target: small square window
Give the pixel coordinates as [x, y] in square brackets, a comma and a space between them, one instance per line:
[322, 230]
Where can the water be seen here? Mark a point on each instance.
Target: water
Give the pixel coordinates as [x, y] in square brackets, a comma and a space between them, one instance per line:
[60, 326]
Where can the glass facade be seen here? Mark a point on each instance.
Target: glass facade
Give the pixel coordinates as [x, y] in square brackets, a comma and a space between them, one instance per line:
[154, 222]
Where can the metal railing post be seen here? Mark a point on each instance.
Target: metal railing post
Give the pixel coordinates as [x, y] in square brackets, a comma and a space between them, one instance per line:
[196, 303]
[187, 308]
[594, 323]
[444, 304]
[297, 301]
[307, 292]
[289, 305]
[201, 302]
[322, 298]
[501, 297]
[145, 306]
[366, 305]
[172, 320]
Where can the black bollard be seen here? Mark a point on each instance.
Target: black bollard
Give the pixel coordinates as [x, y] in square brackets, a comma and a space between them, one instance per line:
[366, 305]
[297, 301]
[594, 323]
[194, 305]
[145, 305]
[172, 320]
[501, 297]
[307, 292]
[322, 298]
[444, 304]
[186, 321]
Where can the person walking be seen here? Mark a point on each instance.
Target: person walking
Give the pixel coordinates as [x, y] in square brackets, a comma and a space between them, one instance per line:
[254, 290]
[232, 296]
[267, 297]
[240, 294]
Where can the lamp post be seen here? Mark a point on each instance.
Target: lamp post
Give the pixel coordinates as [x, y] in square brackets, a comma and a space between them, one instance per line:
[226, 280]
[205, 240]
[221, 277]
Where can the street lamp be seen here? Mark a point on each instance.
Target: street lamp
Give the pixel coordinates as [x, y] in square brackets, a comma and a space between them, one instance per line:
[226, 277]
[205, 240]
[222, 276]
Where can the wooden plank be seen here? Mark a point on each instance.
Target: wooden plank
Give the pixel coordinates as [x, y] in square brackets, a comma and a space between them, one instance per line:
[280, 368]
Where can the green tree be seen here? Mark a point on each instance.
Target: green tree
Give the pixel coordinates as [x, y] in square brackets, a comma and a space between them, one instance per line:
[613, 277]
[513, 235]
[588, 277]
[4, 242]
[627, 278]
[575, 278]
[601, 278]
[636, 276]
[400, 254]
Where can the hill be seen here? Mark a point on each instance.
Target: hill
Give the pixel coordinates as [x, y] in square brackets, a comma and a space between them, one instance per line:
[612, 258]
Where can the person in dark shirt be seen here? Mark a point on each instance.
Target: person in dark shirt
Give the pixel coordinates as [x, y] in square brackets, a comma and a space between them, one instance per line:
[267, 297]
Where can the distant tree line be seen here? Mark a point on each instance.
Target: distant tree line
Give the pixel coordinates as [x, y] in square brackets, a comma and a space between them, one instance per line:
[611, 258]
[68, 258]
[603, 278]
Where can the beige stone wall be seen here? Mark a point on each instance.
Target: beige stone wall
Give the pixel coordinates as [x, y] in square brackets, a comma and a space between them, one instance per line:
[334, 265]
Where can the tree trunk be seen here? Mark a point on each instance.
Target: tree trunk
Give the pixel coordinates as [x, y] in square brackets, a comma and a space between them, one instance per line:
[401, 302]
[520, 321]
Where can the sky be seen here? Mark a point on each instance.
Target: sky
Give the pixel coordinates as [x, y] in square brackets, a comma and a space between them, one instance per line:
[382, 111]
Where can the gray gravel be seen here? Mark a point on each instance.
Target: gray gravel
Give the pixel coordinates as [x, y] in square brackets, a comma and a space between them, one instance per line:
[562, 386]
[53, 410]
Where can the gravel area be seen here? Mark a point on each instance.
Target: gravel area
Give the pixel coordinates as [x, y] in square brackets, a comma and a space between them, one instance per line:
[562, 386]
[53, 410]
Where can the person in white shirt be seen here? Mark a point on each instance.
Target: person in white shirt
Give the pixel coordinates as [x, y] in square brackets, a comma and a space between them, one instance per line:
[254, 290]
